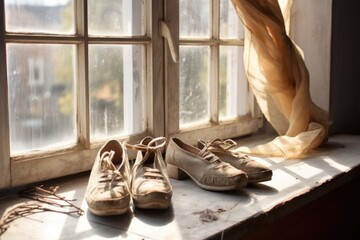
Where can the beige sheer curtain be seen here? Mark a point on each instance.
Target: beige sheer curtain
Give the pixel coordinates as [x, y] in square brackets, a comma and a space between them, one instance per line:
[278, 76]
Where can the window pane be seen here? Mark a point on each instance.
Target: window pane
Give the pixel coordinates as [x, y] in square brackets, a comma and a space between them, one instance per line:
[116, 90]
[116, 17]
[195, 19]
[233, 83]
[40, 16]
[41, 95]
[194, 84]
[231, 26]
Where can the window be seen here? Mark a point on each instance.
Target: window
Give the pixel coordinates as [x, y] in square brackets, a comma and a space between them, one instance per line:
[210, 98]
[78, 73]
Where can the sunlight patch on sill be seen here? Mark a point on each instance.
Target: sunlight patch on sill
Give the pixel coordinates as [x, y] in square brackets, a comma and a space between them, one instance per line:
[282, 180]
[305, 171]
[334, 164]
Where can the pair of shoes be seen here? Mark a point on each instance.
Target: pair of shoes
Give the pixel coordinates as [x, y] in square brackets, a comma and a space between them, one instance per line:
[213, 165]
[112, 184]
[255, 171]
[203, 167]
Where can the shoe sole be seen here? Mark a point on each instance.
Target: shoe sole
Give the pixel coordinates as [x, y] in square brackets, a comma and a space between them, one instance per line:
[154, 200]
[263, 177]
[152, 205]
[109, 212]
[178, 173]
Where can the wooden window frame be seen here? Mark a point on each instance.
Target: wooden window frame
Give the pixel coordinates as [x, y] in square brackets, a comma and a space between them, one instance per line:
[162, 96]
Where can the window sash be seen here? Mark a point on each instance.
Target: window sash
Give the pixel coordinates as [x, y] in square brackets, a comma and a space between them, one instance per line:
[215, 128]
[32, 167]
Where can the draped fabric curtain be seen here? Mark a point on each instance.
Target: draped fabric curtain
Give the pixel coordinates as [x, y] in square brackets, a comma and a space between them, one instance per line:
[278, 76]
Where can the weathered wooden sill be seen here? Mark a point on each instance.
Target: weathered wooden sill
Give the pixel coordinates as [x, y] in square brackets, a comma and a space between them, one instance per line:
[300, 195]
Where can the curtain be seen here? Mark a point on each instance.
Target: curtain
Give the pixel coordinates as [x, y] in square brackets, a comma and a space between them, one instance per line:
[278, 76]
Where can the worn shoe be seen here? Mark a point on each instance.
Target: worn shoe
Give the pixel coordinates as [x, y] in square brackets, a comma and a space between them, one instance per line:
[255, 171]
[149, 184]
[204, 167]
[107, 192]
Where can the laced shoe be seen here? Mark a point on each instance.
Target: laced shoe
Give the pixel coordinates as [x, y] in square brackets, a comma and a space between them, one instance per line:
[107, 192]
[255, 171]
[149, 184]
[203, 167]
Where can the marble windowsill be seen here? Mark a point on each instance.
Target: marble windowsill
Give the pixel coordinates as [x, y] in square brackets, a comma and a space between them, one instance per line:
[196, 213]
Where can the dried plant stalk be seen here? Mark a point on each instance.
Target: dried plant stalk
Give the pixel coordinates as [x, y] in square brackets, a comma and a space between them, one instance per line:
[44, 200]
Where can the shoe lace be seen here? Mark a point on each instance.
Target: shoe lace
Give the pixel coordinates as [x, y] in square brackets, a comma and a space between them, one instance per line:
[212, 158]
[159, 165]
[109, 171]
[207, 155]
[223, 146]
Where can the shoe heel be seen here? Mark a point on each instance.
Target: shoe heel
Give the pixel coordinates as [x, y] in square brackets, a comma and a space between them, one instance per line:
[176, 173]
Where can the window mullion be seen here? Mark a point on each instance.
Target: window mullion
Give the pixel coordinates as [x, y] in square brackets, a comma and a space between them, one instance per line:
[172, 107]
[155, 71]
[5, 176]
[214, 63]
[82, 79]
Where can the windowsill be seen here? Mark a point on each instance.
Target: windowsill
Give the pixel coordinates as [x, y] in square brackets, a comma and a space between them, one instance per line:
[295, 184]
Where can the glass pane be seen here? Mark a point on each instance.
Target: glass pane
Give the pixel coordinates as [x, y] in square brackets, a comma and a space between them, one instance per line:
[194, 84]
[116, 17]
[195, 19]
[116, 74]
[233, 83]
[41, 95]
[231, 26]
[40, 16]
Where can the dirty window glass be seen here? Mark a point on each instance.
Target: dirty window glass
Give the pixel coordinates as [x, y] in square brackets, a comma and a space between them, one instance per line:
[49, 64]
[41, 80]
[116, 17]
[194, 84]
[39, 16]
[195, 18]
[213, 85]
[116, 90]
